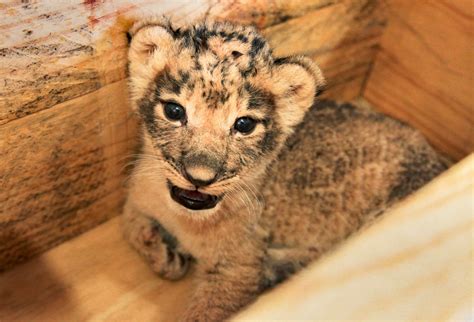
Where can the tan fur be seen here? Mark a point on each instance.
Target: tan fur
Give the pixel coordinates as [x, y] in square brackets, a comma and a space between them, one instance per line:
[340, 168]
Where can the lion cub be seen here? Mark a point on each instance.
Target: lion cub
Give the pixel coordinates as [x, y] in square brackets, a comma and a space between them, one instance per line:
[216, 110]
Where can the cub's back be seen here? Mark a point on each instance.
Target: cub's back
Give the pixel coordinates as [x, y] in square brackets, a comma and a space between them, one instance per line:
[343, 166]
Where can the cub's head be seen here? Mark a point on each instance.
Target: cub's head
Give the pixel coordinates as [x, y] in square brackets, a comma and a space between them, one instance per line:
[216, 106]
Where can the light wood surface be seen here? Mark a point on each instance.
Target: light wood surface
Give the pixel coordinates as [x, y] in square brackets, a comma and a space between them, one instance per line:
[415, 264]
[62, 171]
[55, 51]
[424, 71]
[341, 38]
[65, 126]
[95, 277]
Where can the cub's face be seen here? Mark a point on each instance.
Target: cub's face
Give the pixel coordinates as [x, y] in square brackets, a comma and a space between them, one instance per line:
[216, 106]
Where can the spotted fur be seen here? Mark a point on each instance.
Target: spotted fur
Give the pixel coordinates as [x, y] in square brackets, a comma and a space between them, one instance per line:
[339, 169]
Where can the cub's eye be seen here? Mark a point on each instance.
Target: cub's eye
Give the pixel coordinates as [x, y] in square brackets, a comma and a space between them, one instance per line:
[174, 111]
[245, 125]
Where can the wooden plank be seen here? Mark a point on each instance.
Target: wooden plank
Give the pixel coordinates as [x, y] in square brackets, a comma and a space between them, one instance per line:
[345, 91]
[61, 171]
[420, 269]
[342, 39]
[52, 53]
[423, 73]
[96, 277]
[414, 264]
[347, 67]
[317, 32]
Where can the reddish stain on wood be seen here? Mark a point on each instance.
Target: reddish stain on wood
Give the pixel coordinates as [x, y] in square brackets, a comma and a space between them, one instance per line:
[92, 4]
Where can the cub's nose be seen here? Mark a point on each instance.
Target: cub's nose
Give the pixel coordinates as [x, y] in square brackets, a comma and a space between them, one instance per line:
[201, 169]
[195, 177]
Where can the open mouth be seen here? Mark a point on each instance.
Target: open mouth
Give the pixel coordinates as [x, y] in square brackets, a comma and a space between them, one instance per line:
[193, 199]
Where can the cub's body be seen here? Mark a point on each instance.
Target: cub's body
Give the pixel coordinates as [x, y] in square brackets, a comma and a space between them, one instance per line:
[219, 186]
[342, 167]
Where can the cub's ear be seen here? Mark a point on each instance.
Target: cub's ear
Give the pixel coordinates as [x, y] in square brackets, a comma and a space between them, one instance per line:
[149, 38]
[296, 82]
[151, 48]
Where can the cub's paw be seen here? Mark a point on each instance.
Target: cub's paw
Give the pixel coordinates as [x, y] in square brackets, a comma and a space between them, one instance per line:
[174, 266]
[159, 248]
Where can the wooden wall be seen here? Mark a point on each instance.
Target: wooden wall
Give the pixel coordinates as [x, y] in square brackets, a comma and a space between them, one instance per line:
[424, 71]
[65, 125]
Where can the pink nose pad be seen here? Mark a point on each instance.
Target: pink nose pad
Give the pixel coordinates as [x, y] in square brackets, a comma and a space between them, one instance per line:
[198, 182]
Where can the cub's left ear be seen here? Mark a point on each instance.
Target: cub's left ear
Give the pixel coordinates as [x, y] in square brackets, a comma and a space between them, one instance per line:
[296, 82]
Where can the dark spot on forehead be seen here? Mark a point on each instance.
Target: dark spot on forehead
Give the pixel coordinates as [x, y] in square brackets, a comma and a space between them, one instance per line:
[259, 98]
[230, 36]
[166, 82]
[184, 76]
[242, 38]
[251, 70]
[216, 98]
[187, 38]
[197, 64]
[256, 46]
[200, 37]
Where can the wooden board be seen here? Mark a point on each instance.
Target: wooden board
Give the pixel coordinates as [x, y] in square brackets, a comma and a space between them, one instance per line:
[52, 53]
[96, 277]
[347, 67]
[342, 39]
[424, 71]
[61, 171]
[414, 264]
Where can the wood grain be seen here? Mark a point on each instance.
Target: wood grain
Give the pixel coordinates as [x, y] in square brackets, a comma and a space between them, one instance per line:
[342, 39]
[424, 71]
[61, 171]
[331, 27]
[414, 264]
[347, 67]
[53, 53]
[96, 277]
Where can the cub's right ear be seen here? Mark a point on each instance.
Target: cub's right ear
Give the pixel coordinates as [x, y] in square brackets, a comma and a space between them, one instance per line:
[151, 49]
[149, 39]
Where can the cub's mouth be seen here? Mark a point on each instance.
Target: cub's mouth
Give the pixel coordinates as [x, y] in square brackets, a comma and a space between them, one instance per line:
[193, 199]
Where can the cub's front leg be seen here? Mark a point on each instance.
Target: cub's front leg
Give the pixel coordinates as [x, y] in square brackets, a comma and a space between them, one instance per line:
[157, 246]
[222, 290]
[229, 273]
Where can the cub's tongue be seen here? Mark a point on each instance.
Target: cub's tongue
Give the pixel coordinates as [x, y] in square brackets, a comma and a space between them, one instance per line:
[194, 195]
